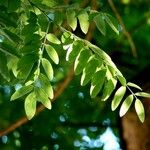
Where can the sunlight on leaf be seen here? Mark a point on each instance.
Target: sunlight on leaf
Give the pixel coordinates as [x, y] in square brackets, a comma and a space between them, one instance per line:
[71, 19]
[52, 53]
[52, 38]
[30, 105]
[118, 97]
[140, 110]
[43, 97]
[126, 105]
[134, 85]
[48, 68]
[143, 94]
[84, 21]
[21, 92]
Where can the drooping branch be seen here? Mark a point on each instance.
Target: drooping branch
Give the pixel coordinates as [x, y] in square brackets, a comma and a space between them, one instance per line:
[58, 91]
[125, 31]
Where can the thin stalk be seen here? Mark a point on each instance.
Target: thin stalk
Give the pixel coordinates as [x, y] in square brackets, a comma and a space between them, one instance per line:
[131, 92]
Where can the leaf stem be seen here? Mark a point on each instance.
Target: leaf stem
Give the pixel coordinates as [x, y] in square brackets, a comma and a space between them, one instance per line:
[41, 51]
[131, 91]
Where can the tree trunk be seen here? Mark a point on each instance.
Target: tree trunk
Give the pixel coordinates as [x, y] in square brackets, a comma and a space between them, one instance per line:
[135, 133]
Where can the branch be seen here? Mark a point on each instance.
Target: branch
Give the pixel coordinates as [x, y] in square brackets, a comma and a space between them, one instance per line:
[125, 32]
[59, 90]
[40, 108]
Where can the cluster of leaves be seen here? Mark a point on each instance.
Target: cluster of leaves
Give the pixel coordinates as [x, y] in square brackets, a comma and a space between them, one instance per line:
[25, 50]
[97, 67]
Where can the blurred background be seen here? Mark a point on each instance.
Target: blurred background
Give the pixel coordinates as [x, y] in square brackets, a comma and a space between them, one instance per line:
[77, 122]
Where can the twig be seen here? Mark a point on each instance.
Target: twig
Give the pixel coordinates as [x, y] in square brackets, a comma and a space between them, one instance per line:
[125, 32]
[40, 108]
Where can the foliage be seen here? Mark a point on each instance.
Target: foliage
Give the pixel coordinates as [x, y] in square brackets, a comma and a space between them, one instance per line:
[32, 35]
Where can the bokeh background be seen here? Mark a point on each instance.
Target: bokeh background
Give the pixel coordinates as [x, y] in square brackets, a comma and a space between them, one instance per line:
[77, 122]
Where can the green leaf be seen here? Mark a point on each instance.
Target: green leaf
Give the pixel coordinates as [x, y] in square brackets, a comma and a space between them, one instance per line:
[143, 94]
[48, 68]
[71, 18]
[126, 105]
[109, 19]
[3, 67]
[52, 53]
[52, 38]
[99, 76]
[44, 83]
[97, 82]
[48, 3]
[100, 23]
[100, 53]
[112, 70]
[25, 65]
[66, 38]
[140, 110]
[88, 71]
[12, 64]
[30, 105]
[21, 92]
[122, 80]
[8, 49]
[84, 21]
[13, 5]
[134, 85]
[108, 74]
[81, 61]
[12, 37]
[43, 97]
[32, 44]
[59, 17]
[118, 97]
[74, 50]
[108, 88]
[32, 25]
[8, 20]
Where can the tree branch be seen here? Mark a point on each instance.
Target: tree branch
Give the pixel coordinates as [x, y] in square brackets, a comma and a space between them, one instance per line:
[59, 90]
[125, 31]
